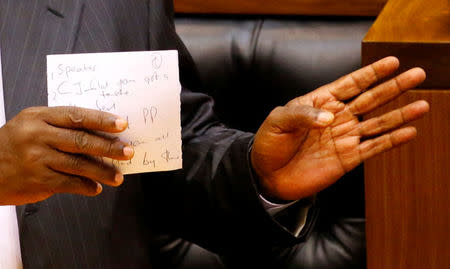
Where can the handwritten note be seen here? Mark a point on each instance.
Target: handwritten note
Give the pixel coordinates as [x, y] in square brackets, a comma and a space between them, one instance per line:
[142, 87]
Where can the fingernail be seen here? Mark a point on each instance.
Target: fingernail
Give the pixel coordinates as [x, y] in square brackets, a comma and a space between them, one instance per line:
[118, 178]
[325, 118]
[99, 189]
[128, 151]
[121, 124]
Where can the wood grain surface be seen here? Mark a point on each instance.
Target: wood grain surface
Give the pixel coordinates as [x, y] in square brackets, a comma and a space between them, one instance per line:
[408, 194]
[282, 7]
[418, 33]
[416, 21]
[408, 189]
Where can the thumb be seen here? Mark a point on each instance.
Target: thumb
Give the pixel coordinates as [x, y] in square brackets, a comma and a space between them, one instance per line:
[291, 118]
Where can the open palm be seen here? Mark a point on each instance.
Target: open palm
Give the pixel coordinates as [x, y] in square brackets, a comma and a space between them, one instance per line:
[308, 144]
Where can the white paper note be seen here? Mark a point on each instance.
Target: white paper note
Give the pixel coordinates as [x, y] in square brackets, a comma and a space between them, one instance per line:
[142, 87]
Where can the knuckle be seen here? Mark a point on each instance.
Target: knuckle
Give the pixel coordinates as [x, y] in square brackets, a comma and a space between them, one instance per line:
[277, 111]
[76, 163]
[76, 115]
[382, 141]
[26, 116]
[81, 140]
[304, 114]
[382, 121]
[46, 181]
[31, 111]
[100, 119]
[294, 102]
[110, 147]
[33, 130]
[33, 155]
[24, 133]
[354, 108]
[307, 111]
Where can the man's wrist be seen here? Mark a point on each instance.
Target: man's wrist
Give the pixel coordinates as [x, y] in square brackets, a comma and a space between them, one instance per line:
[272, 207]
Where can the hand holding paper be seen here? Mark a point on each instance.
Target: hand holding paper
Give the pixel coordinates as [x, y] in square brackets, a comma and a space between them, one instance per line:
[141, 87]
[72, 148]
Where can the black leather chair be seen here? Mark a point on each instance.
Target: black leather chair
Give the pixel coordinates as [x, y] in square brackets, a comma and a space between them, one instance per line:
[250, 65]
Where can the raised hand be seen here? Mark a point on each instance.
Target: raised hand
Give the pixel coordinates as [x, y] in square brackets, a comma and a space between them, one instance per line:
[44, 151]
[308, 144]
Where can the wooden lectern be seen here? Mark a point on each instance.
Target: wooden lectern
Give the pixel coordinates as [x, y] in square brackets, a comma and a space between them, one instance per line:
[408, 189]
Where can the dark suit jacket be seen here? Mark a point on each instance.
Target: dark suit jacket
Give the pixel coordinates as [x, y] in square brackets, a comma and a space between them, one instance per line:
[212, 201]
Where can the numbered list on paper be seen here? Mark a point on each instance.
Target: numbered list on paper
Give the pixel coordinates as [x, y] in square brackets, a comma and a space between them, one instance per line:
[141, 87]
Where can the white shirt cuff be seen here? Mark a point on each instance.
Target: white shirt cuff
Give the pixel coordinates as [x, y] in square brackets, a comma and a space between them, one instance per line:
[300, 216]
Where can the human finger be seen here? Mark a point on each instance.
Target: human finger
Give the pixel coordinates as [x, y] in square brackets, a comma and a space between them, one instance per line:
[76, 185]
[354, 83]
[86, 167]
[393, 119]
[372, 147]
[83, 118]
[81, 142]
[385, 92]
[291, 118]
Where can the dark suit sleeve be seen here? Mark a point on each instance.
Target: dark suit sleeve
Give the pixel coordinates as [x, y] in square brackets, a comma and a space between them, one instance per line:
[213, 201]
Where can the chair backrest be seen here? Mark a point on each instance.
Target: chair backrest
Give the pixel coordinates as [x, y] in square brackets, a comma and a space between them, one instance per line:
[250, 65]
